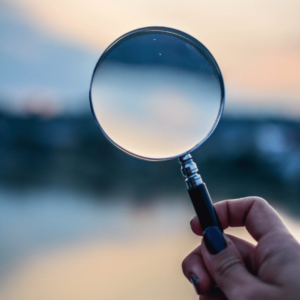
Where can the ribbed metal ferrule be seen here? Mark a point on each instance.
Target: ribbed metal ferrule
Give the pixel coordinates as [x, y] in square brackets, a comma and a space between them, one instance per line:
[189, 170]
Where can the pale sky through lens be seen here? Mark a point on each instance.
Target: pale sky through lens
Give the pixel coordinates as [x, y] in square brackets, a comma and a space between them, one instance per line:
[182, 119]
[256, 44]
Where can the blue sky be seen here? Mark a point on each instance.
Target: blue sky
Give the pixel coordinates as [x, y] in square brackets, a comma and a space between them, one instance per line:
[48, 48]
[34, 64]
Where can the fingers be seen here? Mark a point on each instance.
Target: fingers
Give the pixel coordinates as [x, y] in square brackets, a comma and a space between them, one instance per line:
[195, 225]
[246, 250]
[228, 270]
[193, 265]
[253, 212]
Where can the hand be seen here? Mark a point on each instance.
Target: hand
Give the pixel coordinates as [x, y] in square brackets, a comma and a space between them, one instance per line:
[241, 270]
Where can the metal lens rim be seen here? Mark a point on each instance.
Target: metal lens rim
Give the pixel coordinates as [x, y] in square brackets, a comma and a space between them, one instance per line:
[183, 36]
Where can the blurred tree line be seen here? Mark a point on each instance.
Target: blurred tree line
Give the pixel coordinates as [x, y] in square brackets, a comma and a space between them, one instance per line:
[243, 157]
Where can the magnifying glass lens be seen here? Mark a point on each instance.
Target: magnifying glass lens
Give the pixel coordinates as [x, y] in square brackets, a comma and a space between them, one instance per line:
[157, 93]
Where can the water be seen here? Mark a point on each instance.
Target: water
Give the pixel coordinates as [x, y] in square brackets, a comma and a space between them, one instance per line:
[39, 220]
[58, 244]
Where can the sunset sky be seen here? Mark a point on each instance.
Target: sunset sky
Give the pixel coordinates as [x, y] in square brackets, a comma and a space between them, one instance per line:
[50, 47]
[85, 236]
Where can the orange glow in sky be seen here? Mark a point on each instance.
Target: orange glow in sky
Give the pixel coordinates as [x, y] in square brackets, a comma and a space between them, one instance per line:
[256, 43]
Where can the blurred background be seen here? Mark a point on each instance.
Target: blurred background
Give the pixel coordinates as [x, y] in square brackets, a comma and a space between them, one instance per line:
[68, 229]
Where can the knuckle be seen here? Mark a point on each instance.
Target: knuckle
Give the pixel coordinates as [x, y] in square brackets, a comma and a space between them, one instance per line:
[184, 263]
[227, 265]
[259, 204]
[260, 201]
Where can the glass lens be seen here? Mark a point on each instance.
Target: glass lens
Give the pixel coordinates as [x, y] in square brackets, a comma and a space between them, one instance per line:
[157, 93]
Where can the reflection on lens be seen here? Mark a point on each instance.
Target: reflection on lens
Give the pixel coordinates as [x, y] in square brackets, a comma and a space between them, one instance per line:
[156, 94]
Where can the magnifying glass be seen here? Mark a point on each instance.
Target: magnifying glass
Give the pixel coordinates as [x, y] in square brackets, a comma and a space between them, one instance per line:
[157, 93]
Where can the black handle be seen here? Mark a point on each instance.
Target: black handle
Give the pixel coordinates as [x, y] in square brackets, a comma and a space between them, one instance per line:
[204, 207]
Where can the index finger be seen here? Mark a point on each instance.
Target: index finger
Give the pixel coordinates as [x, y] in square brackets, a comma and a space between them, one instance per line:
[254, 213]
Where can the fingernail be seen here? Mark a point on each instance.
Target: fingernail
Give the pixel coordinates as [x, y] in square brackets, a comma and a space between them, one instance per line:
[214, 240]
[194, 280]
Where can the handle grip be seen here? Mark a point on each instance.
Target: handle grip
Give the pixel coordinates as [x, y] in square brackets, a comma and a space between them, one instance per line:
[204, 207]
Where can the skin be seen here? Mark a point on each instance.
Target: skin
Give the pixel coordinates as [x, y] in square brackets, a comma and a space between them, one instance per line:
[243, 271]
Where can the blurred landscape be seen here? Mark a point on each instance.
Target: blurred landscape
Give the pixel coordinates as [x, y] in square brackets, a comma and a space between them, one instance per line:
[70, 200]
[243, 157]
[80, 219]
[72, 204]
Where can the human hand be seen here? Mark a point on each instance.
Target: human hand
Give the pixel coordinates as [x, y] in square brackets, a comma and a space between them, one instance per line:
[241, 270]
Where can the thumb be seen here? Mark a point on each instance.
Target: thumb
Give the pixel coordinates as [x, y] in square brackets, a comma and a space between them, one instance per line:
[226, 266]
